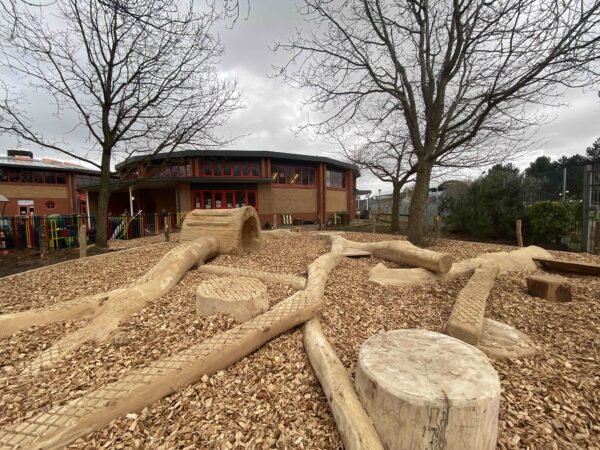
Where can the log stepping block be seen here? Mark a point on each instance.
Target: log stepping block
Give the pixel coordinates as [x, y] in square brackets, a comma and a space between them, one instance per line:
[562, 265]
[466, 319]
[427, 390]
[242, 298]
[549, 287]
[501, 341]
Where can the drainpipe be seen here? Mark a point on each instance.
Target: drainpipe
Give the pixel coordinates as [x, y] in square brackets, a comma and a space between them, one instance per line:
[131, 200]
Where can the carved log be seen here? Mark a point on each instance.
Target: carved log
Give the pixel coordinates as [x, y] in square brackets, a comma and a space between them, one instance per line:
[466, 319]
[549, 287]
[90, 305]
[236, 230]
[293, 281]
[501, 341]
[428, 390]
[124, 302]
[521, 260]
[402, 252]
[62, 424]
[353, 423]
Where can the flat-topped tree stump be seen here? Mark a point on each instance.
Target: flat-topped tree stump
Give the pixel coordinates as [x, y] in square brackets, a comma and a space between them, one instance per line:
[549, 287]
[241, 297]
[501, 341]
[426, 390]
[236, 230]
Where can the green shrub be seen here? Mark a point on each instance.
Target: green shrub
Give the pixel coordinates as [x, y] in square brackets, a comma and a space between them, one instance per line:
[549, 221]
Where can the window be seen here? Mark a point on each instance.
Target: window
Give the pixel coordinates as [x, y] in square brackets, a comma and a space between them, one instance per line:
[175, 171]
[299, 176]
[38, 177]
[14, 176]
[335, 179]
[50, 178]
[217, 199]
[50, 204]
[226, 169]
[3, 175]
[26, 176]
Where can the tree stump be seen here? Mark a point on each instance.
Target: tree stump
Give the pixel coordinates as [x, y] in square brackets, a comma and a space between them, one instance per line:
[549, 287]
[242, 298]
[428, 390]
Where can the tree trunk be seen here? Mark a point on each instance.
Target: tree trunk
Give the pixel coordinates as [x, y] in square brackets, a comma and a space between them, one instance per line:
[103, 198]
[396, 207]
[418, 204]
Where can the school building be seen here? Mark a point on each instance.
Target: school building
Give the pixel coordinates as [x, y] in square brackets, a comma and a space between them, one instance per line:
[304, 186]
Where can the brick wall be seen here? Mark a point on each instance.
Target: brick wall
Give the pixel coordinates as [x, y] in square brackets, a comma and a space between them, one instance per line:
[292, 200]
[40, 194]
[336, 200]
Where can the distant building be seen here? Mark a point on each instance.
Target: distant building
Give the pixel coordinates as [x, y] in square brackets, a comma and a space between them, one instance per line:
[303, 186]
[43, 186]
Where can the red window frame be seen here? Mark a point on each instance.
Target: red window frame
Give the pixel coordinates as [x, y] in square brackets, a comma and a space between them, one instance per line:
[245, 169]
[204, 195]
[172, 171]
[286, 173]
[339, 176]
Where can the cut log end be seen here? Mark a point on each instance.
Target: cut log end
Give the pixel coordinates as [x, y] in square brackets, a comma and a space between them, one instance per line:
[241, 297]
[549, 287]
[429, 390]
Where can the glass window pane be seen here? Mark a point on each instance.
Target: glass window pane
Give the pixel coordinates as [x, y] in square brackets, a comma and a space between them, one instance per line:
[218, 200]
[197, 200]
[188, 170]
[282, 173]
[311, 177]
[208, 200]
[290, 175]
[305, 176]
[229, 199]
[237, 171]
[3, 175]
[226, 170]
[218, 169]
[208, 170]
[14, 176]
[255, 170]
[50, 178]
[240, 199]
[38, 177]
[274, 174]
[246, 170]
[252, 198]
[61, 178]
[26, 176]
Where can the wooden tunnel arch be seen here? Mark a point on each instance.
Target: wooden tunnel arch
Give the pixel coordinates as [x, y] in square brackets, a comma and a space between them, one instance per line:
[236, 230]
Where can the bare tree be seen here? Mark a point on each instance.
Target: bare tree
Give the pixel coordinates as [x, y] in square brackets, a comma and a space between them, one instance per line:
[389, 157]
[140, 75]
[465, 73]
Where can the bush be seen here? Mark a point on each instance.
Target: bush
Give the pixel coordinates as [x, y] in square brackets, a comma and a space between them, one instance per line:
[549, 221]
[490, 206]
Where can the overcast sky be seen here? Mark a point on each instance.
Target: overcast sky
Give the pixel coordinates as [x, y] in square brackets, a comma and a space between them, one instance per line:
[272, 109]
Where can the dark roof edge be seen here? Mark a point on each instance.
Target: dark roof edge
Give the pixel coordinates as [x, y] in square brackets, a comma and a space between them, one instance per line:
[245, 153]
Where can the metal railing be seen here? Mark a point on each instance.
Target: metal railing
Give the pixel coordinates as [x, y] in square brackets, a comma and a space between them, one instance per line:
[23, 232]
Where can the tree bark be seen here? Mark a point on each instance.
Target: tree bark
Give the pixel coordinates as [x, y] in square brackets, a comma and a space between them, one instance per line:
[396, 207]
[103, 198]
[418, 204]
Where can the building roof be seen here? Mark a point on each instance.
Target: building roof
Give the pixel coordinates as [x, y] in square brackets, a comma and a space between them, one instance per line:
[244, 154]
[44, 164]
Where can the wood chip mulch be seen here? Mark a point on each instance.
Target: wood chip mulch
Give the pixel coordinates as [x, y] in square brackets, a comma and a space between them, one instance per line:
[272, 398]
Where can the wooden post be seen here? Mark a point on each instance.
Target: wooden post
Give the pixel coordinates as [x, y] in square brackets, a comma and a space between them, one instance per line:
[167, 230]
[274, 221]
[519, 235]
[82, 241]
[597, 238]
[43, 239]
[375, 220]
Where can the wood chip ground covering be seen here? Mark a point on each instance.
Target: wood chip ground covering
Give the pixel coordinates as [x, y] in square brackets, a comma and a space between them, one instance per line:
[272, 399]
